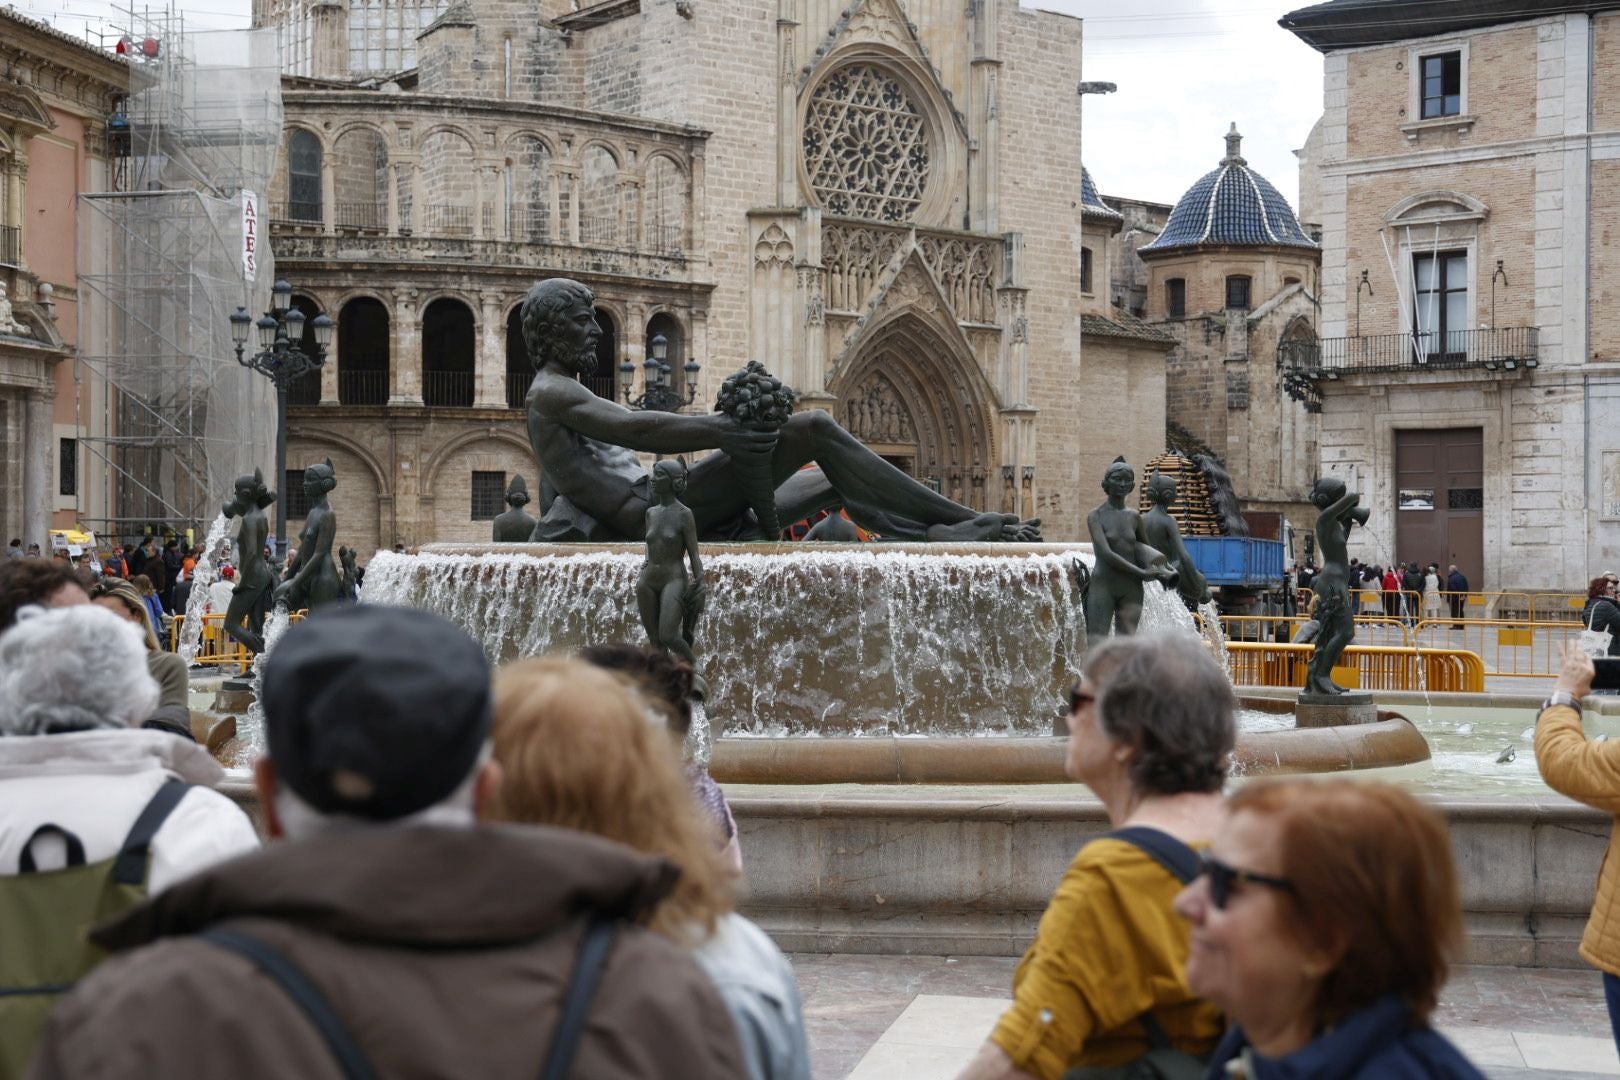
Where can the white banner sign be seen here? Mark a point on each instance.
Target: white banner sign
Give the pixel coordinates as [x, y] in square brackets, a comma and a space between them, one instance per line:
[250, 235]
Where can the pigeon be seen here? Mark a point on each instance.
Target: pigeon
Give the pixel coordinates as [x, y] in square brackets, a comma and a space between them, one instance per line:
[1507, 755]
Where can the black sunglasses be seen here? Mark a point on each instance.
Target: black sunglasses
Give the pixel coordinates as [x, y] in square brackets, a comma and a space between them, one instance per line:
[1077, 697]
[1222, 877]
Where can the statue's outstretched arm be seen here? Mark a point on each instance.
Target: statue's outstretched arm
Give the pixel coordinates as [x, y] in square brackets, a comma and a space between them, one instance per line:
[646, 430]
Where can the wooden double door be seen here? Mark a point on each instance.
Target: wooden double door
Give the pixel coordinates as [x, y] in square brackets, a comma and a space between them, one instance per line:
[1440, 500]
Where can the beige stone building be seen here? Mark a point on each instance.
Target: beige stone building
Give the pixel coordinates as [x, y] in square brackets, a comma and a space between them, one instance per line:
[1469, 180]
[56, 94]
[878, 200]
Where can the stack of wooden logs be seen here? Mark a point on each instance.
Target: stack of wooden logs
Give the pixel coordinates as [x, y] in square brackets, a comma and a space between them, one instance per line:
[1192, 511]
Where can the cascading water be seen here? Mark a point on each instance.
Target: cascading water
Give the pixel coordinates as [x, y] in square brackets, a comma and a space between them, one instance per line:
[250, 733]
[881, 639]
[202, 576]
[699, 739]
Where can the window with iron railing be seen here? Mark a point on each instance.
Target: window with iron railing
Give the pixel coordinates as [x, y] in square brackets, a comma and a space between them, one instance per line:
[363, 387]
[293, 496]
[488, 495]
[10, 245]
[447, 389]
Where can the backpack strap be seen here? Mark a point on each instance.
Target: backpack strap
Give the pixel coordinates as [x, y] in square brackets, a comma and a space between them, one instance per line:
[1182, 861]
[1184, 865]
[305, 994]
[130, 868]
[576, 1004]
[75, 848]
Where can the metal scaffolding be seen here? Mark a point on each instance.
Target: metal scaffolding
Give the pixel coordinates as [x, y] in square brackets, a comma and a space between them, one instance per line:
[163, 405]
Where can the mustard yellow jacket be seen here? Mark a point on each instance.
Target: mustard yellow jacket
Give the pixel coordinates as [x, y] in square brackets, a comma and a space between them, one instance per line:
[1588, 772]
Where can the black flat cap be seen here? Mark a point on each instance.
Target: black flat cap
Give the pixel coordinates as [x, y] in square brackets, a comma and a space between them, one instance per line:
[375, 711]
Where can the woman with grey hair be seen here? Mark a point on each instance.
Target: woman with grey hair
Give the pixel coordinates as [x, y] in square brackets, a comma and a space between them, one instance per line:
[73, 687]
[1104, 984]
[94, 813]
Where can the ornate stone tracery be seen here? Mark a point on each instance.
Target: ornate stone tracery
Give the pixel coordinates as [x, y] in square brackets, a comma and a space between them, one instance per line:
[866, 145]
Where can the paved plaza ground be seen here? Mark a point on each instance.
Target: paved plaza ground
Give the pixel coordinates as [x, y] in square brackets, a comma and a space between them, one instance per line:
[922, 1017]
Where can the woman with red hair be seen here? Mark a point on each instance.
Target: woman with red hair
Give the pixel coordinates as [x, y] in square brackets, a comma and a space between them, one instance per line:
[1324, 923]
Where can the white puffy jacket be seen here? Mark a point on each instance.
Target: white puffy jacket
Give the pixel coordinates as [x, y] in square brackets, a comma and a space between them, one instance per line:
[95, 783]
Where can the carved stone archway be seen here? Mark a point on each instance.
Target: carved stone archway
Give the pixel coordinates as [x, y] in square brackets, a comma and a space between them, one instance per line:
[912, 399]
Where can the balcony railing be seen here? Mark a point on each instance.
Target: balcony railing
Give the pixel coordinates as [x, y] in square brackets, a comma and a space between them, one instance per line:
[363, 387]
[447, 219]
[664, 239]
[598, 231]
[298, 213]
[447, 389]
[529, 223]
[10, 245]
[518, 381]
[360, 215]
[1505, 348]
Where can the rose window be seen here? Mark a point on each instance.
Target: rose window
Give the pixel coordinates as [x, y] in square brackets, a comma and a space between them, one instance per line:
[866, 146]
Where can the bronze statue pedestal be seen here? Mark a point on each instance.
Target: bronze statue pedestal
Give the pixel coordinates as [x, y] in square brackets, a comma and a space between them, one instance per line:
[1334, 710]
[233, 695]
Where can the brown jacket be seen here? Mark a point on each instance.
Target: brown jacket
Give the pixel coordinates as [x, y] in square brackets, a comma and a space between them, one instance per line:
[444, 951]
[1588, 772]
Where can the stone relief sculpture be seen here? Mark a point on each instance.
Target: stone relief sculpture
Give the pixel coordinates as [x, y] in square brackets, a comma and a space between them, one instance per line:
[8, 321]
[586, 447]
[1340, 511]
[313, 579]
[250, 599]
[515, 526]
[1124, 559]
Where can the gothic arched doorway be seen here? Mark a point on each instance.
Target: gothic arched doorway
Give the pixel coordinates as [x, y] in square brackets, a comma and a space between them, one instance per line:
[916, 402]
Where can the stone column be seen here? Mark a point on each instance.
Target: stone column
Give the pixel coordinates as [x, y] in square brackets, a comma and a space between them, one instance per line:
[787, 98]
[393, 198]
[329, 372]
[408, 213]
[405, 350]
[490, 382]
[39, 453]
[328, 194]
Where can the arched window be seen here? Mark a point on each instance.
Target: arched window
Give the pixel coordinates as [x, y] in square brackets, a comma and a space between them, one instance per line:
[448, 348]
[599, 199]
[303, 176]
[360, 178]
[674, 348]
[665, 202]
[604, 381]
[867, 146]
[363, 352]
[519, 372]
[528, 202]
[306, 390]
[449, 185]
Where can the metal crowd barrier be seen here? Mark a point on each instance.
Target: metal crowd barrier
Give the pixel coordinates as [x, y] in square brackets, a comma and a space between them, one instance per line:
[1366, 667]
[216, 647]
[1511, 648]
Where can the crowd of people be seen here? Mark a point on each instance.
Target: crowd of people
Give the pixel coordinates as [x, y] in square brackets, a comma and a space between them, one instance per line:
[1407, 592]
[518, 872]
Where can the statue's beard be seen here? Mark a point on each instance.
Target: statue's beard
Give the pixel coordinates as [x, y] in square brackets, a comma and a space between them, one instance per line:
[559, 351]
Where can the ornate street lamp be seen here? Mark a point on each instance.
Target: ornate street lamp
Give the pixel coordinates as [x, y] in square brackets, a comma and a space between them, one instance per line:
[658, 390]
[281, 359]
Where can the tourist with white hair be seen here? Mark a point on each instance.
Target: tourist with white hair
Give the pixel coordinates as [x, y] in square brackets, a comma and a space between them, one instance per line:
[94, 814]
[388, 933]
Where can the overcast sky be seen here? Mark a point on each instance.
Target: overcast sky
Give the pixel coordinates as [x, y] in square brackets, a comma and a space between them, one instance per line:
[1185, 69]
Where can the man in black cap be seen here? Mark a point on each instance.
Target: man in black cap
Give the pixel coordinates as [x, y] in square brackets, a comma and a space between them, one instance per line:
[391, 934]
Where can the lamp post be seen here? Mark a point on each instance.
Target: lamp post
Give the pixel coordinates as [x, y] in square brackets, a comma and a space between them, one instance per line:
[658, 390]
[281, 359]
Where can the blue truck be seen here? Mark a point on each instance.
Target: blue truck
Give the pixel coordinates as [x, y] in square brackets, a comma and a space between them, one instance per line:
[1247, 577]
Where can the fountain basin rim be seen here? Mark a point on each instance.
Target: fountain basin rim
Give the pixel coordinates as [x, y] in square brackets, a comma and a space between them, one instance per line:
[763, 548]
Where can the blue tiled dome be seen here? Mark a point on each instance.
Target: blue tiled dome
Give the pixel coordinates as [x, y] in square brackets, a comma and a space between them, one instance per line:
[1233, 205]
[1091, 204]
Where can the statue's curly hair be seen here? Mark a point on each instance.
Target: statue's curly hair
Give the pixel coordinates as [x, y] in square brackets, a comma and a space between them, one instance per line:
[541, 314]
[262, 495]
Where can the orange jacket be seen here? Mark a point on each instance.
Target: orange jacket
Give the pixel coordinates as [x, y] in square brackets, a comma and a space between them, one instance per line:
[1588, 772]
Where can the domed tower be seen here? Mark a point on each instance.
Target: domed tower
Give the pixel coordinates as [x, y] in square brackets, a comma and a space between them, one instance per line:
[1233, 276]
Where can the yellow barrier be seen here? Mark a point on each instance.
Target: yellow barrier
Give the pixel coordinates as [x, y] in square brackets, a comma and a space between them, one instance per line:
[1511, 648]
[1369, 667]
[1371, 629]
[216, 647]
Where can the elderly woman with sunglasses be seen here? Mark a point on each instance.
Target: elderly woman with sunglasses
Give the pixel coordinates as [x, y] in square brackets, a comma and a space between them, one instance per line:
[1150, 733]
[1323, 925]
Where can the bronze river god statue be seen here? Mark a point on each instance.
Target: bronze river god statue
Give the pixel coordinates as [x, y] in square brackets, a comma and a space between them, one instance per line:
[596, 488]
[1340, 512]
[250, 599]
[1124, 559]
[314, 580]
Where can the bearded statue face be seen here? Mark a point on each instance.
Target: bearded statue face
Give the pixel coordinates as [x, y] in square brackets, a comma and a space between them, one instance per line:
[560, 327]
